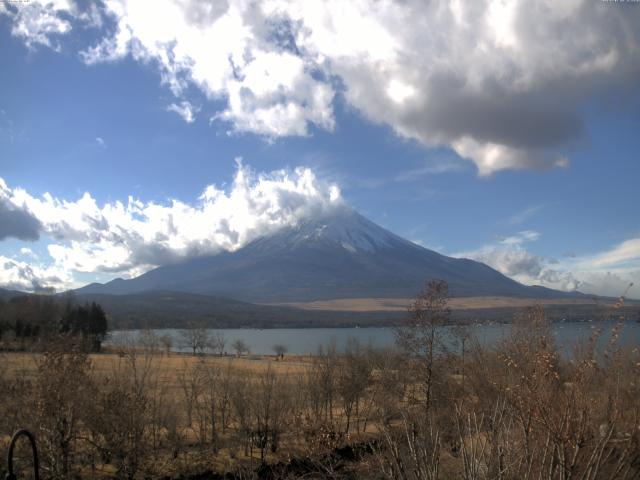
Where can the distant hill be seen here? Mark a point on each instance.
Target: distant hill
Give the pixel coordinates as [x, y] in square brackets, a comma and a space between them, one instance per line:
[340, 255]
[8, 294]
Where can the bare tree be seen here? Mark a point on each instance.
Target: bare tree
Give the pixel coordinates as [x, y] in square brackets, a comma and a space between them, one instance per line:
[409, 453]
[190, 381]
[240, 347]
[223, 385]
[195, 338]
[271, 405]
[148, 340]
[120, 415]
[209, 403]
[419, 336]
[217, 342]
[167, 342]
[160, 411]
[320, 389]
[353, 379]
[63, 388]
[280, 349]
[240, 395]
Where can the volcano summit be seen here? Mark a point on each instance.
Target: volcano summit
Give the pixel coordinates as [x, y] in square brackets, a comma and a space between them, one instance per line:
[338, 255]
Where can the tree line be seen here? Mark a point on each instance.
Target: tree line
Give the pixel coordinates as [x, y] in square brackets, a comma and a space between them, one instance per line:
[33, 320]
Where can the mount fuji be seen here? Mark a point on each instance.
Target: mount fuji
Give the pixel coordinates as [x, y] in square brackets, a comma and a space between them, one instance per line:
[334, 256]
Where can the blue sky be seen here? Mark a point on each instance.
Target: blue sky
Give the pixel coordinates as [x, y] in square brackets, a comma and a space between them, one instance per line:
[521, 153]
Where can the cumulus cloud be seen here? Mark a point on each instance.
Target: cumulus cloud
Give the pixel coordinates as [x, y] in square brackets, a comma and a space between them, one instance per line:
[17, 223]
[228, 50]
[26, 276]
[510, 256]
[130, 238]
[45, 22]
[503, 84]
[528, 268]
[514, 262]
[604, 273]
[15, 219]
[39, 22]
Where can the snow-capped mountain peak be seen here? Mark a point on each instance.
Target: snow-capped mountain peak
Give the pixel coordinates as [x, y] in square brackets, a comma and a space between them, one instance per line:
[339, 254]
[343, 227]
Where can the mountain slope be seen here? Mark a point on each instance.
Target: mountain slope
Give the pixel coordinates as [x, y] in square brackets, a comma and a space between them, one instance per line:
[341, 255]
[9, 294]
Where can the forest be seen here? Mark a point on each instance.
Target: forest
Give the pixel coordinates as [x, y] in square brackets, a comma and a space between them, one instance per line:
[33, 321]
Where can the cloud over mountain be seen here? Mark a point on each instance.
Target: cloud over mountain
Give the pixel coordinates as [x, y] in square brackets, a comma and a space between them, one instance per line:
[26, 276]
[131, 238]
[605, 273]
[503, 84]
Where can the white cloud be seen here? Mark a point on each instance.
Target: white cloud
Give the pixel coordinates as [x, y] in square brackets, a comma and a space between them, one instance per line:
[499, 82]
[27, 276]
[40, 22]
[130, 238]
[626, 253]
[520, 238]
[503, 84]
[27, 252]
[605, 273]
[612, 270]
[509, 256]
[224, 50]
[100, 142]
[611, 283]
[185, 109]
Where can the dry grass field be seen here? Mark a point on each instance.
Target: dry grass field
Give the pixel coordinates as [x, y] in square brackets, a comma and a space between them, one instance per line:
[186, 413]
[517, 410]
[175, 385]
[462, 303]
[26, 363]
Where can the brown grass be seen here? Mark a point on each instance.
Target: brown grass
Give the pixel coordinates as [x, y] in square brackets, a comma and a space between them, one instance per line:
[462, 303]
[25, 363]
[515, 411]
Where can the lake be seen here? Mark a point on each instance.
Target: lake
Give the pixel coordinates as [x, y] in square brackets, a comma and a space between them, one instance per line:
[307, 341]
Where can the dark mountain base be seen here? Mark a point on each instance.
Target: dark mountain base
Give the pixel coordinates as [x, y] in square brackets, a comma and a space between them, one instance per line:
[180, 310]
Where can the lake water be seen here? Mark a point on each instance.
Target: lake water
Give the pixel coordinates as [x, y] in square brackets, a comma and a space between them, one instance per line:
[307, 341]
